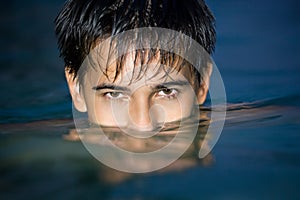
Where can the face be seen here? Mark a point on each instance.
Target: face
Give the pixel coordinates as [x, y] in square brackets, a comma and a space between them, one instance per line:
[142, 103]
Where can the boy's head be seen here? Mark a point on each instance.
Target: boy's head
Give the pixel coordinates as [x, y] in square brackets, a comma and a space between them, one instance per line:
[145, 85]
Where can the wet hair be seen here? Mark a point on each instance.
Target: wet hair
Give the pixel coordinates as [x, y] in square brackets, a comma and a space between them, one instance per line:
[81, 23]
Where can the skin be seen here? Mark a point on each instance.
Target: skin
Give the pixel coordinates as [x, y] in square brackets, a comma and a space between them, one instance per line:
[143, 104]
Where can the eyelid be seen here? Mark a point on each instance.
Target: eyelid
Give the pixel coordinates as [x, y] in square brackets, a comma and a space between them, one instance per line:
[178, 89]
[112, 90]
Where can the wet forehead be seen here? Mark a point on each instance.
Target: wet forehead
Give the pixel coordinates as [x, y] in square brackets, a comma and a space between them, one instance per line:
[132, 75]
[103, 65]
[134, 66]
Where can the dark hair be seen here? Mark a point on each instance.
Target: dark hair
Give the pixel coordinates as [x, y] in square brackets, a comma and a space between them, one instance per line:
[82, 22]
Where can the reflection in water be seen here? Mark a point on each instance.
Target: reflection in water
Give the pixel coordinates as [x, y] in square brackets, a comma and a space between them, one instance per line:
[116, 136]
[120, 149]
[126, 139]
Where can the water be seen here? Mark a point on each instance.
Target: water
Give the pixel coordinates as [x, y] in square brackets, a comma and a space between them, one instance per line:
[256, 157]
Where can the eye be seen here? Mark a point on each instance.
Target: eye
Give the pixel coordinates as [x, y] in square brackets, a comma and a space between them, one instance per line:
[167, 93]
[115, 95]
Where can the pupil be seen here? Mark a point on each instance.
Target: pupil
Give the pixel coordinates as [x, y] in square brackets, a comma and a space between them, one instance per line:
[167, 91]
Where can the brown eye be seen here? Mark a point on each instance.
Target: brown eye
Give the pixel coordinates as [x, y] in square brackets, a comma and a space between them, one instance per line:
[114, 95]
[167, 91]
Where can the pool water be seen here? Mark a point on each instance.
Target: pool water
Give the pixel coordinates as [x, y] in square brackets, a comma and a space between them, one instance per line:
[256, 157]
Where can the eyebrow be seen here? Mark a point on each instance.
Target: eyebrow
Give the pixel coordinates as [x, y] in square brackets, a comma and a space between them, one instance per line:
[171, 83]
[104, 86]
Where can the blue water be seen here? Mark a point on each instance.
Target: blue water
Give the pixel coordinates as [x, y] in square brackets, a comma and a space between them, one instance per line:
[256, 157]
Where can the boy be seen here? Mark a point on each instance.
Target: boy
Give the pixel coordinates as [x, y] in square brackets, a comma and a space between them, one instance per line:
[144, 87]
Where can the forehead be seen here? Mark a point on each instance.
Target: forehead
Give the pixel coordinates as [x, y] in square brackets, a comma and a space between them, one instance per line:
[151, 73]
[151, 65]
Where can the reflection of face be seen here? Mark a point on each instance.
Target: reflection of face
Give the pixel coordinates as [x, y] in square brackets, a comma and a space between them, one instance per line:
[142, 103]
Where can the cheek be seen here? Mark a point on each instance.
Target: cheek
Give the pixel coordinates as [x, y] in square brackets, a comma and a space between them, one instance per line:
[188, 103]
[101, 112]
[172, 110]
[177, 109]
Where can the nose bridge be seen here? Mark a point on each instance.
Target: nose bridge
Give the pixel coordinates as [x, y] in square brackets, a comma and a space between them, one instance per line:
[139, 108]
